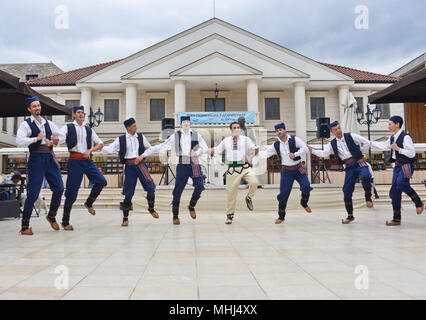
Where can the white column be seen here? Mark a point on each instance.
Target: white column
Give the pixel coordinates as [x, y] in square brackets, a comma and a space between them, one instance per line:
[300, 109]
[86, 100]
[131, 97]
[180, 97]
[343, 93]
[253, 98]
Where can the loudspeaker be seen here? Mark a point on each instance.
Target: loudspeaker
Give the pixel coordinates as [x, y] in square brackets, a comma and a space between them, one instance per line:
[167, 127]
[323, 131]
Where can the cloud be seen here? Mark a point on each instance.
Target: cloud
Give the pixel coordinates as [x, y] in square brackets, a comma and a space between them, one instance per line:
[101, 31]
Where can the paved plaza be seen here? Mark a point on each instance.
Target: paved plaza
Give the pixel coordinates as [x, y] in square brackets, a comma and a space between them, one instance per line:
[310, 256]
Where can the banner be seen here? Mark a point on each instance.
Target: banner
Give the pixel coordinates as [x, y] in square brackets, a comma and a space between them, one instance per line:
[217, 117]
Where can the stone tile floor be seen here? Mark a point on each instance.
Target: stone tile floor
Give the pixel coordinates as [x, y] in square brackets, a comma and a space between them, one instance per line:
[310, 256]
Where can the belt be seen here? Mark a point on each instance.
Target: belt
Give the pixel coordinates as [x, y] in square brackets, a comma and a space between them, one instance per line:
[235, 164]
[291, 168]
[352, 160]
[77, 156]
[232, 167]
[188, 160]
[131, 161]
[43, 148]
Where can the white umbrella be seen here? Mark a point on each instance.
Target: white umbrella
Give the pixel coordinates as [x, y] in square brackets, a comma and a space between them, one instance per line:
[349, 121]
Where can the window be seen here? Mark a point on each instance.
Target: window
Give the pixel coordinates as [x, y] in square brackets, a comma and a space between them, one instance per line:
[71, 103]
[31, 76]
[385, 110]
[111, 110]
[4, 126]
[15, 125]
[272, 108]
[214, 105]
[317, 108]
[360, 105]
[157, 108]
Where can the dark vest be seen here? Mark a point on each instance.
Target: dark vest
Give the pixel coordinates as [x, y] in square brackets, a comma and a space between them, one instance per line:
[354, 149]
[35, 131]
[291, 145]
[72, 136]
[123, 146]
[400, 158]
[194, 142]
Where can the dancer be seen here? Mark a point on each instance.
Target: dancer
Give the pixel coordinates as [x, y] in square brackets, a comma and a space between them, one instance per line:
[240, 150]
[130, 148]
[40, 135]
[81, 142]
[289, 149]
[346, 149]
[404, 156]
[189, 145]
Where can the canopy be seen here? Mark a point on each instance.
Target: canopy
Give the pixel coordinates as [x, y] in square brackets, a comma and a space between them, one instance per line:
[411, 88]
[13, 94]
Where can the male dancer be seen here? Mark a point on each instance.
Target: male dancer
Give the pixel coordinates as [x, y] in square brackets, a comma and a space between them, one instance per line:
[404, 156]
[40, 135]
[240, 150]
[81, 142]
[289, 149]
[189, 145]
[346, 149]
[130, 148]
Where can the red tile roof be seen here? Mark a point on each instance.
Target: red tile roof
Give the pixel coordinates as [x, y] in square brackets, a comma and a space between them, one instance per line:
[362, 76]
[70, 77]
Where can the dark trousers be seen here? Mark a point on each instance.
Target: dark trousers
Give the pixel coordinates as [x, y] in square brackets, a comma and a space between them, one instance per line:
[76, 169]
[42, 165]
[286, 184]
[132, 173]
[183, 172]
[401, 183]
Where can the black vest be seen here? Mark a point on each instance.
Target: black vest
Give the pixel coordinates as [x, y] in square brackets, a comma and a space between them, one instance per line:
[35, 131]
[400, 158]
[72, 136]
[354, 149]
[291, 145]
[194, 142]
[123, 147]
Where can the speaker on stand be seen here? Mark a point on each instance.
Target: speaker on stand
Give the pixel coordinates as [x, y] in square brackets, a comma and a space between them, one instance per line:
[167, 129]
[323, 132]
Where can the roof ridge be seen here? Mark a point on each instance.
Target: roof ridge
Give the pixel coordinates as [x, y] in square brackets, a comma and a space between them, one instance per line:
[359, 70]
[69, 71]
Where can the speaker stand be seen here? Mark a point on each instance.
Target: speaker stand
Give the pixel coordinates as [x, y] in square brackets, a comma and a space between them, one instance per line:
[322, 168]
[165, 174]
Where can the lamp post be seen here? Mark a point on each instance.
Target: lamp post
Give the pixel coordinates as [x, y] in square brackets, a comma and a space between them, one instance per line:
[372, 117]
[96, 118]
[216, 94]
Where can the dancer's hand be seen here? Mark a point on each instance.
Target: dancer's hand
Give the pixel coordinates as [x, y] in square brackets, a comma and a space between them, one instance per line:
[193, 153]
[310, 149]
[55, 140]
[291, 155]
[86, 155]
[139, 159]
[395, 147]
[40, 136]
[49, 143]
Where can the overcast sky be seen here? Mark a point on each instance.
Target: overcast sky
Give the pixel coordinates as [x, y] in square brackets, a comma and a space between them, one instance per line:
[324, 30]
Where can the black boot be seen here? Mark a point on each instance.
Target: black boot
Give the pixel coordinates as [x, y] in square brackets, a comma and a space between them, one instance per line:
[281, 214]
[396, 221]
[89, 202]
[175, 210]
[66, 219]
[417, 201]
[349, 210]
[126, 208]
[151, 202]
[304, 202]
[51, 217]
[191, 207]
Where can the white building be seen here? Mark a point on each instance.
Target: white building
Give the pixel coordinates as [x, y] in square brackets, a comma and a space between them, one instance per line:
[179, 74]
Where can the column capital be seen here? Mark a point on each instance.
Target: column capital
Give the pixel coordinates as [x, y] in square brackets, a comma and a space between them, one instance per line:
[179, 81]
[299, 84]
[343, 86]
[130, 85]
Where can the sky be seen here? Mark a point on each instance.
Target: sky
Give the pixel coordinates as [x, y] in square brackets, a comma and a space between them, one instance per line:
[377, 36]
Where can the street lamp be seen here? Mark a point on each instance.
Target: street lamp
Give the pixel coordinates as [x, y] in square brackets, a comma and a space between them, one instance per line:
[372, 117]
[96, 118]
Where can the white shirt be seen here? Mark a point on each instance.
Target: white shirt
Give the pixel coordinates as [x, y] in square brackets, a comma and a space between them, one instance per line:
[285, 151]
[132, 146]
[185, 142]
[24, 132]
[408, 150]
[81, 146]
[342, 147]
[243, 146]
